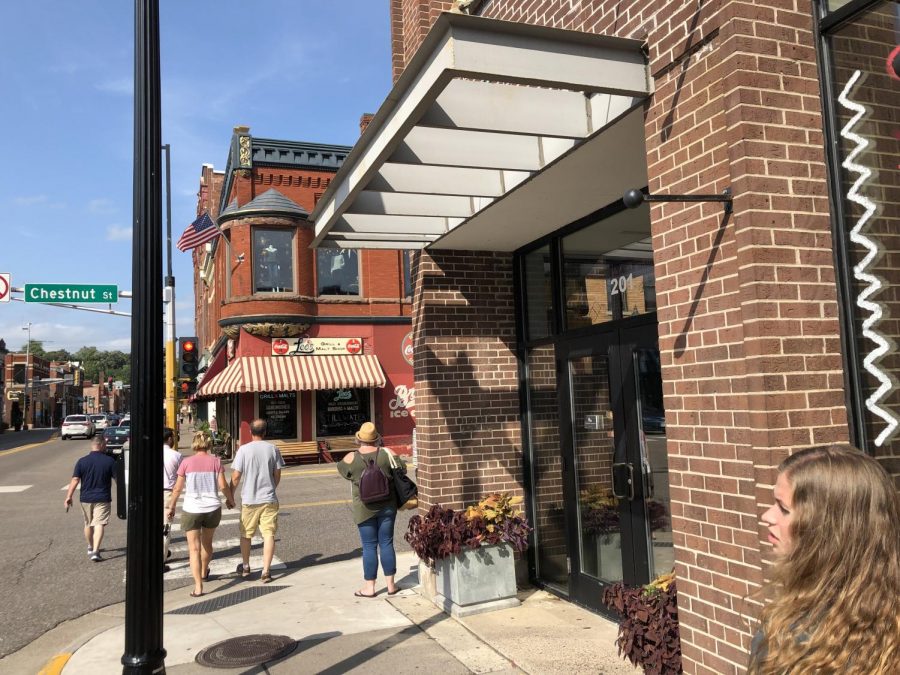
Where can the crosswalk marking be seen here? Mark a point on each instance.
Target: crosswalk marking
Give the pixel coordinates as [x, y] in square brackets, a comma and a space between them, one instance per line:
[14, 488]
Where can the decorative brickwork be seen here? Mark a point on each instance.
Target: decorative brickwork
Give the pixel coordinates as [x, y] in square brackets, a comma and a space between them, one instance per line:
[467, 384]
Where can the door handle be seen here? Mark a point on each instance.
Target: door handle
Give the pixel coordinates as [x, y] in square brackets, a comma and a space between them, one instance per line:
[623, 480]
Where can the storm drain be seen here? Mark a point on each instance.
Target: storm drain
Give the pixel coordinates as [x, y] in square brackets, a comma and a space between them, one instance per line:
[248, 650]
[227, 600]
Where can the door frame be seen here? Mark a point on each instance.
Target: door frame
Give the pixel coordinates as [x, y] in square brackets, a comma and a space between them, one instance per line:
[618, 341]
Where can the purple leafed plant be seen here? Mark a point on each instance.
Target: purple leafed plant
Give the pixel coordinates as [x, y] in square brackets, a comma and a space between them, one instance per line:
[648, 629]
[443, 532]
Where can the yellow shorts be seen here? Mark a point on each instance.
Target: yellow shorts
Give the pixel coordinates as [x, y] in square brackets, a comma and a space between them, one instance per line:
[263, 516]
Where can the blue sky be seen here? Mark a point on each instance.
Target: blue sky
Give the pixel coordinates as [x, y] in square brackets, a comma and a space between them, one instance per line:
[289, 69]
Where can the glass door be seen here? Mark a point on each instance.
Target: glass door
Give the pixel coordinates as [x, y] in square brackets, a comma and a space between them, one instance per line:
[614, 461]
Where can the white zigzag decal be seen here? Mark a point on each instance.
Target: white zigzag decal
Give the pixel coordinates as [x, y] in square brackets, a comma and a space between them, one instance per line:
[860, 273]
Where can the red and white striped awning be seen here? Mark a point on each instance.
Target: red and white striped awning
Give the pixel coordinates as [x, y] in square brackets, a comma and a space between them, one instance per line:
[248, 374]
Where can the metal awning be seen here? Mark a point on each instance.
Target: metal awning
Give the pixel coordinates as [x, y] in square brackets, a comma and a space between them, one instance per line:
[483, 110]
[248, 374]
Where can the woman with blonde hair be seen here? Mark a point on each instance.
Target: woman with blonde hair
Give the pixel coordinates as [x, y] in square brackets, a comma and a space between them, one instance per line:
[835, 583]
[200, 477]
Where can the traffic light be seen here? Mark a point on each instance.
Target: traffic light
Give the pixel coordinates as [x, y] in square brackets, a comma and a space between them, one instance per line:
[187, 365]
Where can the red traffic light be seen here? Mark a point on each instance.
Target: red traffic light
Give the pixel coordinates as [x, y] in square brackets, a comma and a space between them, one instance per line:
[185, 387]
[188, 346]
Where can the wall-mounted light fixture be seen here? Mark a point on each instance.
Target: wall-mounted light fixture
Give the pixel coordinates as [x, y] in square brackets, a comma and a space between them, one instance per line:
[239, 259]
[634, 198]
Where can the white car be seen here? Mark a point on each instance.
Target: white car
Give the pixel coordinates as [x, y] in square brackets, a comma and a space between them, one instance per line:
[100, 421]
[76, 425]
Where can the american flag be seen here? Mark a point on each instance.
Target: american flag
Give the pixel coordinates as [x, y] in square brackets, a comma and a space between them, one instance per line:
[199, 232]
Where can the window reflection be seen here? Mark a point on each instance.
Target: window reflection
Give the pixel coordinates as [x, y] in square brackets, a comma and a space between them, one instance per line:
[273, 267]
[538, 305]
[337, 271]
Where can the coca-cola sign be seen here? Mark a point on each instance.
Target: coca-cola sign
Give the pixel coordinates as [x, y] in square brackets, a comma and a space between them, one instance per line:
[406, 348]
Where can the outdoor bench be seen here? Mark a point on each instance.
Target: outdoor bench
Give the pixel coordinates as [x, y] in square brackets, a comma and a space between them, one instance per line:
[299, 450]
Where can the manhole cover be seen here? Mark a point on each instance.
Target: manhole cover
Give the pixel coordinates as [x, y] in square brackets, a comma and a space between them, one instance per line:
[247, 650]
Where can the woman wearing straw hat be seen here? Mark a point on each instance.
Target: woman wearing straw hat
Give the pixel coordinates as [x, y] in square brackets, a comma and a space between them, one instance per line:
[375, 520]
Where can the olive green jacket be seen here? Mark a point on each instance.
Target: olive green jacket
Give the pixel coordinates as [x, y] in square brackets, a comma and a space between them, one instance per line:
[352, 471]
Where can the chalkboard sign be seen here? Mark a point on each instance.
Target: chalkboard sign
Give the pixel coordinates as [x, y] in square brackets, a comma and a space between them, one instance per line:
[340, 412]
[279, 410]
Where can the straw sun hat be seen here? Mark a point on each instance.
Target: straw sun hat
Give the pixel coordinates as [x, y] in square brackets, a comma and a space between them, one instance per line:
[368, 434]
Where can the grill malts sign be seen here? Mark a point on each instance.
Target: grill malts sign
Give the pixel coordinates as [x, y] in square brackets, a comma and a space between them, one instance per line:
[71, 293]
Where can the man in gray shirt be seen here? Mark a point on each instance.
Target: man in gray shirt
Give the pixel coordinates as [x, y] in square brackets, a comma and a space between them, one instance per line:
[258, 465]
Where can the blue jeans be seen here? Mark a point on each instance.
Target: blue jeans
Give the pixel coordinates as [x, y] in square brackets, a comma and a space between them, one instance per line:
[378, 531]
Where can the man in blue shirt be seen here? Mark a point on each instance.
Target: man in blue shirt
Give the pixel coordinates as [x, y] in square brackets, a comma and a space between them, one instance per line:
[95, 471]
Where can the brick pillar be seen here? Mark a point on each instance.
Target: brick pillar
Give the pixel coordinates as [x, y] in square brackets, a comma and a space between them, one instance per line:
[467, 386]
[747, 304]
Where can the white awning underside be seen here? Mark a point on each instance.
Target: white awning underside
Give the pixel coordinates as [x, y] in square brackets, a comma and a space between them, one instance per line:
[496, 134]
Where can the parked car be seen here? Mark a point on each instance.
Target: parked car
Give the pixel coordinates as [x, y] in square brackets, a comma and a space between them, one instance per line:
[77, 425]
[100, 421]
[115, 438]
[125, 421]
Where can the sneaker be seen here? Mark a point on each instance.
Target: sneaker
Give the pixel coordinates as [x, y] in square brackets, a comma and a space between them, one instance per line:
[90, 552]
[96, 557]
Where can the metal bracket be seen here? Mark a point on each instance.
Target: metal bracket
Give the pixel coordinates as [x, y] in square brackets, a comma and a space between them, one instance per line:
[634, 198]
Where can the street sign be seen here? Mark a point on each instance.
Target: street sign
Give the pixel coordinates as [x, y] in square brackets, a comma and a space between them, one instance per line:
[5, 286]
[54, 293]
[14, 395]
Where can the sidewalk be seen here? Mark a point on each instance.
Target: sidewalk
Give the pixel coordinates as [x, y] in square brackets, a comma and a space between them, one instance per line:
[338, 633]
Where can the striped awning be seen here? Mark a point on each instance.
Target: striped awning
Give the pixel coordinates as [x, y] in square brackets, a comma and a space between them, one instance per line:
[248, 374]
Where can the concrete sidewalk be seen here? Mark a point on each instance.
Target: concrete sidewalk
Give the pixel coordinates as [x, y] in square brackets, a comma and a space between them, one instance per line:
[339, 633]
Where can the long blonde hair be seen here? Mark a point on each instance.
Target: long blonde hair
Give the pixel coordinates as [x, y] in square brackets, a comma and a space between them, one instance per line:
[836, 593]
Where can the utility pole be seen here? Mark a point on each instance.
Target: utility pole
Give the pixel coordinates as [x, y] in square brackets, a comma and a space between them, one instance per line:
[169, 298]
[27, 376]
[144, 652]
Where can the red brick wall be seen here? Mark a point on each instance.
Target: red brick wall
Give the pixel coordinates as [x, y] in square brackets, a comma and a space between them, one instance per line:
[747, 305]
[467, 386]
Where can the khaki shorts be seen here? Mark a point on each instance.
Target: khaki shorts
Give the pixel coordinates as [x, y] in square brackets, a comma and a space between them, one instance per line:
[95, 513]
[200, 521]
[263, 516]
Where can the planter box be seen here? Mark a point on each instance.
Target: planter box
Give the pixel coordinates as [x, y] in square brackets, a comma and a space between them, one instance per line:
[477, 580]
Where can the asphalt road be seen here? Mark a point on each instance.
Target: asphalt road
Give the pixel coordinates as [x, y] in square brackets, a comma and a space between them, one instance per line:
[49, 579]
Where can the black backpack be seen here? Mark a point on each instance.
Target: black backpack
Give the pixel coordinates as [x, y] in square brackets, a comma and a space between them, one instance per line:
[374, 485]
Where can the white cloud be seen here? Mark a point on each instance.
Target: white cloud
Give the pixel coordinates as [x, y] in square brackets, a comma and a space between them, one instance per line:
[101, 206]
[118, 233]
[31, 200]
[121, 86]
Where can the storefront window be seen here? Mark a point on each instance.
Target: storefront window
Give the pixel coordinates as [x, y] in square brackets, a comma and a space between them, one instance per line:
[547, 469]
[864, 69]
[538, 294]
[407, 273]
[279, 409]
[608, 270]
[273, 261]
[340, 412]
[337, 271]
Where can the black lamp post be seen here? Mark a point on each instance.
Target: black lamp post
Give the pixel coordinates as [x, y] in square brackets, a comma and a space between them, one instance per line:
[144, 651]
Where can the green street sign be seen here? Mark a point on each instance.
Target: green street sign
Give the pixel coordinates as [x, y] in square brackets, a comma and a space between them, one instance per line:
[54, 293]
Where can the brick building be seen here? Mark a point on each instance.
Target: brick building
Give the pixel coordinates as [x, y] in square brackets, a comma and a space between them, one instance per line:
[638, 373]
[315, 341]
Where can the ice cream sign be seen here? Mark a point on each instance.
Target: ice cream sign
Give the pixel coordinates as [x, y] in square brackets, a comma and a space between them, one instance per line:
[306, 346]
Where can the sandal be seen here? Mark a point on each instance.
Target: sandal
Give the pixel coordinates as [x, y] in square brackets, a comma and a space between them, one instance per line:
[360, 594]
[243, 571]
[265, 577]
[206, 576]
[196, 595]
